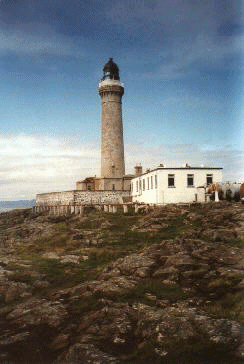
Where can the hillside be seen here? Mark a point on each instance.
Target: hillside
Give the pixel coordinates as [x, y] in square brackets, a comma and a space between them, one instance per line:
[166, 286]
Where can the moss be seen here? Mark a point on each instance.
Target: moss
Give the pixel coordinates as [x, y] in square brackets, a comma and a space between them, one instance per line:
[22, 276]
[143, 353]
[236, 243]
[176, 227]
[61, 275]
[230, 306]
[197, 351]
[83, 305]
[149, 288]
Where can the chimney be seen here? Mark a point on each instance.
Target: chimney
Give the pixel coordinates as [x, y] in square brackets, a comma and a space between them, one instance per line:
[138, 170]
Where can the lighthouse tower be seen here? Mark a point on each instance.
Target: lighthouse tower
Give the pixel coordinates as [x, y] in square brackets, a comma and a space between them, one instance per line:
[113, 176]
[111, 91]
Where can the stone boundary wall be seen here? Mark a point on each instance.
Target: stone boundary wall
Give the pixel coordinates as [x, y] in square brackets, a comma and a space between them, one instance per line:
[62, 210]
[55, 198]
[80, 198]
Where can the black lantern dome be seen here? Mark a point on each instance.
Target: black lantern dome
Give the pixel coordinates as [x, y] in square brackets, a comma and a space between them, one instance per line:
[111, 71]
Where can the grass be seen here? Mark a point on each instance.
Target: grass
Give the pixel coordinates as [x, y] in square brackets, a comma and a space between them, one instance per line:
[175, 228]
[145, 292]
[22, 276]
[235, 243]
[117, 221]
[230, 306]
[86, 304]
[116, 239]
[199, 350]
[64, 275]
[154, 287]
[60, 238]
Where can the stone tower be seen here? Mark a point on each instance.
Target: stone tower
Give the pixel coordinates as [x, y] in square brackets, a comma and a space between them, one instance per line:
[111, 91]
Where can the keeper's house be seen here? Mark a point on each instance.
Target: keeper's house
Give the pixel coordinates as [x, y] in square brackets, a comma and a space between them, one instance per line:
[174, 185]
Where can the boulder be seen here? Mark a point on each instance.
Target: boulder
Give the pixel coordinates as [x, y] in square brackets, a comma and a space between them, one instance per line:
[36, 312]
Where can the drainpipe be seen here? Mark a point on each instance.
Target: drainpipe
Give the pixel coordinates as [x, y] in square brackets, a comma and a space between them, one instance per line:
[157, 188]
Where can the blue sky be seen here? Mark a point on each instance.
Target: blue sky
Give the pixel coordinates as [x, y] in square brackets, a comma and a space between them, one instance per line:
[182, 65]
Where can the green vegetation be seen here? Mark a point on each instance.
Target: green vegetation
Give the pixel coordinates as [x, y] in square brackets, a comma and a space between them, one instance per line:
[50, 254]
[80, 307]
[109, 237]
[229, 306]
[153, 287]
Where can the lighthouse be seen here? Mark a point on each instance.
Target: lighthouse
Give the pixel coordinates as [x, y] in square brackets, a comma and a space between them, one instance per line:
[111, 91]
[113, 177]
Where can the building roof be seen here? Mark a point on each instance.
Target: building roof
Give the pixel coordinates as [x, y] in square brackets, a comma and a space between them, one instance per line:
[87, 180]
[188, 168]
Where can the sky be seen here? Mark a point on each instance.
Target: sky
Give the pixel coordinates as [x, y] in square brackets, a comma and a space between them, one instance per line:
[181, 62]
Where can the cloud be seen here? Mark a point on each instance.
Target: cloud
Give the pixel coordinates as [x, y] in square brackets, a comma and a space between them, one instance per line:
[183, 38]
[33, 164]
[170, 32]
[204, 52]
[23, 41]
[176, 17]
[191, 102]
[176, 155]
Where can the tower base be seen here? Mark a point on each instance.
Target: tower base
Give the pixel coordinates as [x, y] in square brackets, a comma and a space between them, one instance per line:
[104, 184]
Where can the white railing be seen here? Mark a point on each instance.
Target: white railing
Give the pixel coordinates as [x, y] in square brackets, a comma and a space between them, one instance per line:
[110, 82]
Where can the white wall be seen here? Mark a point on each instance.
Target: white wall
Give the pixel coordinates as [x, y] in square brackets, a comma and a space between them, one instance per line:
[180, 192]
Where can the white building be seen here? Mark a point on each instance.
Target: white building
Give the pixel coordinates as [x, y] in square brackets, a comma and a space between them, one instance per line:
[173, 185]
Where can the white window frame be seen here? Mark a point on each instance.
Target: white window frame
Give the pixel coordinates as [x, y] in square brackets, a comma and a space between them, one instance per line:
[190, 177]
[209, 175]
[156, 181]
[171, 176]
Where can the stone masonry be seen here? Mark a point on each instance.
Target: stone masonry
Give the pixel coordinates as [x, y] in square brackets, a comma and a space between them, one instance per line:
[112, 146]
[81, 198]
[113, 185]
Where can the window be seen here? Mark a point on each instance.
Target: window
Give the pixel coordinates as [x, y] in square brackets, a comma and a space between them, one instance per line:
[148, 183]
[136, 186]
[140, 185]
[113, 187]
[171, 180]
[209, 179]
[143, 184]
[151, 182]
[190, 180]
[131, 187]
[156, 181]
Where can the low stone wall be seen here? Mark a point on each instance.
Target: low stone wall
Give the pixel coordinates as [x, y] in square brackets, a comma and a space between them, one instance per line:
[76, 197]
[55, 198]
[58, 210]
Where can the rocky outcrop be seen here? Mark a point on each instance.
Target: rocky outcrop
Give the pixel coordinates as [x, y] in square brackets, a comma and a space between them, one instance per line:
[86, 354]
[187, 273]
[179, 294]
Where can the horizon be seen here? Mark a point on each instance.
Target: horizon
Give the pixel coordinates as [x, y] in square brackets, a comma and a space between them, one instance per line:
[181, 64]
